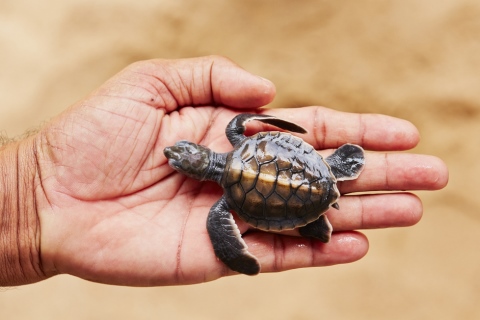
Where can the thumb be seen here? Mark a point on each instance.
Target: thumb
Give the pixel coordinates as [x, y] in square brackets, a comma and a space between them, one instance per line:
[211, 80]
[235, 87]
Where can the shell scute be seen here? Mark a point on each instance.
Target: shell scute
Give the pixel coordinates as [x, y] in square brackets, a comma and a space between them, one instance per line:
[304, 192]
[295, 207]
[278, 205]
[248, 151]
[235, 173]
[264, 153]
[282, 188]
[266, 179]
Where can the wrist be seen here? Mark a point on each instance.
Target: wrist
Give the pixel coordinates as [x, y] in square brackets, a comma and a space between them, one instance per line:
[20, 261]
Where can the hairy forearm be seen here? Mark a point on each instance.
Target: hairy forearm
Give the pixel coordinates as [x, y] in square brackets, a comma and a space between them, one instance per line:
[19, 226]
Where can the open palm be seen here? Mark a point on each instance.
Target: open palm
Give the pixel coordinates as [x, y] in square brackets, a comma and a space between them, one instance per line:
[111, 209]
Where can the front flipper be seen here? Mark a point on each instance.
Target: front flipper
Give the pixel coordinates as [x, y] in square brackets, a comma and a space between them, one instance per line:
[227, 241]
[236, 127]
[347, 162]
[320, 229]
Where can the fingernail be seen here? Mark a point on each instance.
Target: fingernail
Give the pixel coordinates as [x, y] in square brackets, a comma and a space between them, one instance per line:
[269, 86]
[266, 81]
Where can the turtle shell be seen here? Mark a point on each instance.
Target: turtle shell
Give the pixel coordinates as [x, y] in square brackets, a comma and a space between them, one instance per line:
[276, 181]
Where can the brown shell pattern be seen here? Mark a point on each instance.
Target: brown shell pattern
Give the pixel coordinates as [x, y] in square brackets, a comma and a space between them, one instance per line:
[276, 181]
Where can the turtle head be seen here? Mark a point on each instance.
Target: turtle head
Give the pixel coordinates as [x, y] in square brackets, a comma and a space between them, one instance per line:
[189, 158]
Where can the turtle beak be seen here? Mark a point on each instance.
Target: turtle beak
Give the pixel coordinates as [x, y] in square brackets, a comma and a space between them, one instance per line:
[173, 155]
[336, 206]
[170, 153]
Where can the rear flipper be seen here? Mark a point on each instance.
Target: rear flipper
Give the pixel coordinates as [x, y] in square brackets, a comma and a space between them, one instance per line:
[320, 229]
[227, 241]
[347, 162]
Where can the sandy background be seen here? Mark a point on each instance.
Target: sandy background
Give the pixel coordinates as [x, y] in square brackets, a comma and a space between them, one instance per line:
[419, 60]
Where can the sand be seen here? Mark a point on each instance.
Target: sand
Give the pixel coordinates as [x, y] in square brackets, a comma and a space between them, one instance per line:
[417, 60]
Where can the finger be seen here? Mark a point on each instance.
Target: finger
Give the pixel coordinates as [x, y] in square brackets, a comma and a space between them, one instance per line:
[279, 253]
[398, 171]
[328, 128]
[376, 211]
[211, 80]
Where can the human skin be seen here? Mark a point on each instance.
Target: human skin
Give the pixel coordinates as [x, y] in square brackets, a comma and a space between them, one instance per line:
[91, 194]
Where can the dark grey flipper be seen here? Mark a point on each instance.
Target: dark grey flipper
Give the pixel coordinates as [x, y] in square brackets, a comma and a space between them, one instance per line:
[320, 229]
[236, 127]
[347, 162]
[227, 241]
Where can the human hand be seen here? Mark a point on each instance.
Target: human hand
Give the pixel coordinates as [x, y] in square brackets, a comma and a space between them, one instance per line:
[111, 210]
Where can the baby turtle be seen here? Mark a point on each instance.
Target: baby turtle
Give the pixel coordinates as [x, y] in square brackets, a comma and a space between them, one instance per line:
[273, 180]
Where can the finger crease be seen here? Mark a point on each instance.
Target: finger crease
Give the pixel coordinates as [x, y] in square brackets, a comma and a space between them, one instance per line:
[178, 267]
[361, 128]
[316, 130]
[279, 249]
[387, 182]
[210, 81]
[362, 213]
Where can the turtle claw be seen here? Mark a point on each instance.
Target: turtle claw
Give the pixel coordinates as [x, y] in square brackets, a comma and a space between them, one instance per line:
[227, 241]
